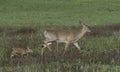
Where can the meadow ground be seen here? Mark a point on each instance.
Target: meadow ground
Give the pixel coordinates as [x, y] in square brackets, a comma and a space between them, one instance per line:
[22, 23]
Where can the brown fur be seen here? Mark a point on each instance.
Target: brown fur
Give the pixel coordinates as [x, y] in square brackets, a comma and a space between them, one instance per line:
[64, 36]
[21, 51]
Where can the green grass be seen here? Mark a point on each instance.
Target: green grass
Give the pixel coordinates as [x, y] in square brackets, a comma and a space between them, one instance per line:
[57, 67]
[98, 54]
[55, 12]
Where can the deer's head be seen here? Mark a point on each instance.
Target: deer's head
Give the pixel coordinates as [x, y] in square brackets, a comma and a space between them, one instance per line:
[29, 50]
[85, 27]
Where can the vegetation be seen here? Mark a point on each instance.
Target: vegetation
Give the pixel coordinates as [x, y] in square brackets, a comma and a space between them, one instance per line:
[22, 23]
[58, 12]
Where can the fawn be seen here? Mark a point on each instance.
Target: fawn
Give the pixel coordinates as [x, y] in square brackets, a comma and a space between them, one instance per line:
[21, 51]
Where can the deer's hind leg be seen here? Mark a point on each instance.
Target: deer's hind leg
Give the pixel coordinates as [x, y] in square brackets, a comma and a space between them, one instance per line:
[45, 45]
[48, 46]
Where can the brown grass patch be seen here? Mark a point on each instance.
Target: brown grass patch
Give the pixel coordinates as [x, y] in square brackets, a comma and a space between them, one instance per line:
[105, 30]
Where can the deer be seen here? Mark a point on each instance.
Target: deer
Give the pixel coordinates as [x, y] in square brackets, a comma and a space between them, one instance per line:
[64, 36]
[21, 51]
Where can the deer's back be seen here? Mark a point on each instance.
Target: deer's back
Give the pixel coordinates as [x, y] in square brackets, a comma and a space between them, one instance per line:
[18, 50]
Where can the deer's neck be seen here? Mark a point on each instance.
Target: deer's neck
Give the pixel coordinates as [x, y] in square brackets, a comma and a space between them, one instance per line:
[81, 33]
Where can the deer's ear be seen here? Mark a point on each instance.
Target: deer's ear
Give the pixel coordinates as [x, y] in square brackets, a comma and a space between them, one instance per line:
[81, 23]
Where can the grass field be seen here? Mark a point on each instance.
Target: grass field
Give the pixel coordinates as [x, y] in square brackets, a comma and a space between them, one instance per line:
[22, 23]
[55, 12]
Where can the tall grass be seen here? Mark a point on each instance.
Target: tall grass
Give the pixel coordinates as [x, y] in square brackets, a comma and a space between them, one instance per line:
[61, 67]
[96, 54]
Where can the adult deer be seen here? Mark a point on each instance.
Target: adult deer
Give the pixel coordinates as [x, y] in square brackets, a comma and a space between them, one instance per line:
[64, 36]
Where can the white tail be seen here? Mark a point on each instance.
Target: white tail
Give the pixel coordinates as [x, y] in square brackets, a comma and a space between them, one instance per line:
[21, 51]
[64, 36]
